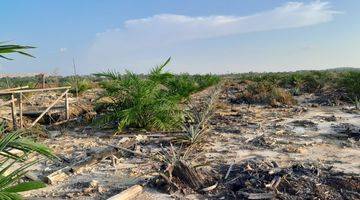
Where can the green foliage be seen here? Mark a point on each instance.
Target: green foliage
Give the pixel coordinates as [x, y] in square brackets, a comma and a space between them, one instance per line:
[9, 179]
[79, 85]
[184, 85]
[298, 82]
[140, 102]
[150, 102]
[11, 48]
[351, 82]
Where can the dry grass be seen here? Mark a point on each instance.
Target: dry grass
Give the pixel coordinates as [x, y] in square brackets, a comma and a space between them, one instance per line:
[264, 93]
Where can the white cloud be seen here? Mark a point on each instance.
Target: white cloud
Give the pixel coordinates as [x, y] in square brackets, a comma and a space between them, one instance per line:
[290, 15]
[147, 34]
[63, 49]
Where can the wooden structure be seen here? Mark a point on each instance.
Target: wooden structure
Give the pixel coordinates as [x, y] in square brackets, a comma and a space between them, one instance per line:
[19, 94]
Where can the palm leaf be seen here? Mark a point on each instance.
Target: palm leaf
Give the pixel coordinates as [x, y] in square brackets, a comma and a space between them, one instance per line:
[25, 186]
[10, 196]
[8, 49]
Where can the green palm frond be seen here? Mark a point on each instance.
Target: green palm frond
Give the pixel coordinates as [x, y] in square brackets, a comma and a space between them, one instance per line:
[14, 165]
[10, 196]
[10, 48]
[157, 74]
[109, 74]
[13, 140]
[150, 102]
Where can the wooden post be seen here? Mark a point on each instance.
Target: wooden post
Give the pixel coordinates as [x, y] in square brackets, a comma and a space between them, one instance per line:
[13, 111]
[48, 108]
[21, 109]
[67, 111]
[43, 81]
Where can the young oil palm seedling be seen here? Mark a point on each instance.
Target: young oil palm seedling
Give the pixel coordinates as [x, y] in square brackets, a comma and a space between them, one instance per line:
[138, 102]
[150, 102]
[14, 152]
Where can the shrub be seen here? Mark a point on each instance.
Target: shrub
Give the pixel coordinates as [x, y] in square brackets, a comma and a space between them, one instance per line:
[265, 93]
[350, 81]
[279, 96]
[184, 85]
[150, 102]
[140, 102]
[79, 86]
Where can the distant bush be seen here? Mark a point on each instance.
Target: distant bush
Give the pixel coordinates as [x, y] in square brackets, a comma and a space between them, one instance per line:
[80, 85]
[350, 81]
[265, 93]
[184, 85]
[297, 82]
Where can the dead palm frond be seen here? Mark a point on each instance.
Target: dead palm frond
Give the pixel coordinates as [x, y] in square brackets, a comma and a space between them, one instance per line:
[198, 125]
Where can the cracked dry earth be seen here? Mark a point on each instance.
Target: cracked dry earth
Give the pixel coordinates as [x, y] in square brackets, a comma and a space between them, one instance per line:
[239, 132]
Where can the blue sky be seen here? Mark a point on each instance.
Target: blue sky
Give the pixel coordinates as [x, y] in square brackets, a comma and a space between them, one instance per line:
[201, 36]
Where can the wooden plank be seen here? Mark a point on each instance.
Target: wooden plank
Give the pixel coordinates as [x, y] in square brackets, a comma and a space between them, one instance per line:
[47, 109]
[13, 111]
[34, 90]
[12, 89]
[128, 194]
[21, 109]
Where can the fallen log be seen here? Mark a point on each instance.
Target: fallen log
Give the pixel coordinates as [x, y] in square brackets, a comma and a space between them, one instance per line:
[128, 194]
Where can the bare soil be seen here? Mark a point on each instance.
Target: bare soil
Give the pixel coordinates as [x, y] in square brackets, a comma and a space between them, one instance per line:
[315, 151]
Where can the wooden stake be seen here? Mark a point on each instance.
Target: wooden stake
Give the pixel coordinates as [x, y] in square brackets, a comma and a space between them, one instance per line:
[77, 82]
[21, 109]
[48, 108]
[42, 80]
[13, 111]
[67, 111]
